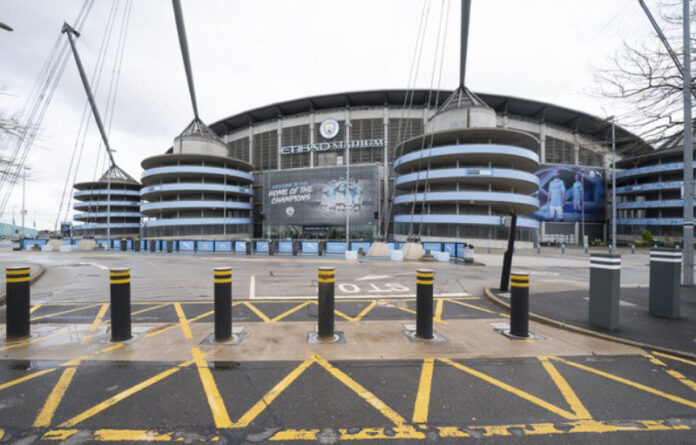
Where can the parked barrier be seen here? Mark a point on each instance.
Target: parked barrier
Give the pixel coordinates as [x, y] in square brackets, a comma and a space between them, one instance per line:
[119, 280]
[424, 303]
[327, 281]
[605, 281]
[223, 303]
[18, 302]
[665, 285]
[519, 304]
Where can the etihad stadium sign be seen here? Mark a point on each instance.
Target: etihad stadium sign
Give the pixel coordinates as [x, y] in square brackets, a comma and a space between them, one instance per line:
[325, 146]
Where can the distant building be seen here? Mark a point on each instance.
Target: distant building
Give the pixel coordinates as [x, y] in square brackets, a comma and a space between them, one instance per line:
[9, 230]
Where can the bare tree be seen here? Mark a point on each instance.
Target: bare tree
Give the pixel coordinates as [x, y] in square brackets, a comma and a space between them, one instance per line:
[642, 79]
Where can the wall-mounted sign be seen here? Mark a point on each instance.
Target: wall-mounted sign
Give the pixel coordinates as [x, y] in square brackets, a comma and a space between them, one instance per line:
[325, 146]
[329, 128]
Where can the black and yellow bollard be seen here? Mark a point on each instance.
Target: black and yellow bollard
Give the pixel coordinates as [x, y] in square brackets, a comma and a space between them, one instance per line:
[424, 303]
[519, 304]
[327, 280]
[223, 303]
[18, 296]
[119, 279]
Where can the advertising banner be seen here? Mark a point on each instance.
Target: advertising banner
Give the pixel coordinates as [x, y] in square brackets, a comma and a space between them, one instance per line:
[569, 193]
[319, 198]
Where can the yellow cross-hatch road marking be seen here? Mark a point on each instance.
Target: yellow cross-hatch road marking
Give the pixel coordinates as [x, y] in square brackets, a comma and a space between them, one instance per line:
[290, 311]
[411, 311]
[217, 405]
[439, 306]
[49, 408]
[183, 321]
[166, 328]
[675, 358]
[34, 308]
[472, 306]
[672, 372]
[256, 310]
[628, 382]
[271, 395]
[422, 406]
[68, 311]
[111, 401]
[511, 389]
[567, 392]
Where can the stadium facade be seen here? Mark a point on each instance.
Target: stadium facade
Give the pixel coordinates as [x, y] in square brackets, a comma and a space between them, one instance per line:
[649, 190]
[439, 165]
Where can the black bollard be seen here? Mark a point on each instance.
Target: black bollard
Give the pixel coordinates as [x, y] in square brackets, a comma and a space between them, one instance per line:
[136, 245]
[223, 303]
[424, 303]
[519, 304]
[124, 244]
[327, 280]
[18, 296]
[152, 245]
[170, 246]
[119, 280]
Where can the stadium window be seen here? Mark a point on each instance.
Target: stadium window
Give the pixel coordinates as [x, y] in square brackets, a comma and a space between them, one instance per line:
[296, 135]
[401, 130]
[239, 149]
[266, 150]
[559, 151]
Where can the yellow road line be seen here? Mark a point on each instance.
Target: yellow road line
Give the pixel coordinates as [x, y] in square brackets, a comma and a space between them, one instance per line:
[411, 311]
[341, 314]
[673, 357]
[472, 306]
[365, 311]
[111, 401]
[34, 308]
[673, 373]
[361, 391]
[511, 389]
[568, 394]
[166, 328]
[113, 435]
[148, 309]
[183, 322]
[270, 396]
[68, 311]
[439, 306]
[45, 416]
[288, 312]
[631, 383]
[100, 316]
[26, 378]
[217, 405]
[256, 310]
[422, 406]
[36, 340]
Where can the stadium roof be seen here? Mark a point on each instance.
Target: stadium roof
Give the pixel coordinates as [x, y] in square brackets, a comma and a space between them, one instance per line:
[627, 142]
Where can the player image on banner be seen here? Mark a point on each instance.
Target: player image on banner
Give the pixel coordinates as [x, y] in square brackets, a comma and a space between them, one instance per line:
[567, 193]
[334, 196]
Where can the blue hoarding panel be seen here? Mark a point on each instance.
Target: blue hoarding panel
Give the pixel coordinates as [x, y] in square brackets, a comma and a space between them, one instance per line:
[240, 246]
[335, 247]
[262, 246]
[433, 247]
[186, 246]
[206, 246]
[460, 250]
[285, 247]
[310, 247]
[223, 246]
[365, 246]
[449, 248]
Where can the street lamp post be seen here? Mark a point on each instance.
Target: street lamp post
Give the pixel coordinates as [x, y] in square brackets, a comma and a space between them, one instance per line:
[347, 206]
[688, 251]
[613, 186]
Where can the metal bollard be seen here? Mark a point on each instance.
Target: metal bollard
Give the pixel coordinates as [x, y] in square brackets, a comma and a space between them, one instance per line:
[327, 280]
[136, 245]
[519, 304]
[223, 303]
[119, 279]
[170, 246]
[248, 247]
[665, 285]
[18, 297]
[424, 303]
[605, 281]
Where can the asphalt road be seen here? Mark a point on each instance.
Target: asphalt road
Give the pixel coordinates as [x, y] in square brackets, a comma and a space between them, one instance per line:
[641, 397]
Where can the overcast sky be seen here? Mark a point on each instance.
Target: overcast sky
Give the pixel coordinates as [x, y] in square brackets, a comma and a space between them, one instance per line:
[249, 53]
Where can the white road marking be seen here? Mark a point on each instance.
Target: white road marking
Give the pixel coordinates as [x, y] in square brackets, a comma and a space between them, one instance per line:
[377, 297]
[97, 265]
[373, 277]
[252, 287]
[621, 302]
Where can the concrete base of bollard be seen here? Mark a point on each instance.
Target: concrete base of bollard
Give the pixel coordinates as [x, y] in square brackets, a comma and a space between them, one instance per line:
[410, 333]
[238, 335]
[314, 339]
